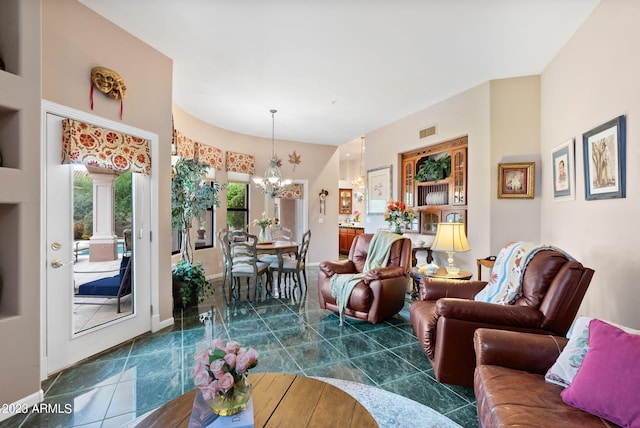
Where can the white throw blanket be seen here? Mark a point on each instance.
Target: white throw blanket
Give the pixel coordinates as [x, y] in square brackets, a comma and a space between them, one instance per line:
[378, 256]
[505, 284]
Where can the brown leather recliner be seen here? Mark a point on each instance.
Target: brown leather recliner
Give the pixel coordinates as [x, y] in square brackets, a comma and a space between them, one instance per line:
[446, 316]
[380, 295]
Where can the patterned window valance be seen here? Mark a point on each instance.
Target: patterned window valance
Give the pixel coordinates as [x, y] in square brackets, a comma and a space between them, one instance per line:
[185, 146]
[103, 148]
[239, 162]
[294, 191]
[210, 155]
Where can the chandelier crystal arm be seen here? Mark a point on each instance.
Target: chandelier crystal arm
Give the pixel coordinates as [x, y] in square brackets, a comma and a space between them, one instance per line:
[272, 183]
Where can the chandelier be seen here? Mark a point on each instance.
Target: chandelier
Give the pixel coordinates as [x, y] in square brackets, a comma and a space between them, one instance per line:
[272, 183]
[358, 181]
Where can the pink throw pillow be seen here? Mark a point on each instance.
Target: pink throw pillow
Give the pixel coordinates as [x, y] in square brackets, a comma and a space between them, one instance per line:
[608, 382]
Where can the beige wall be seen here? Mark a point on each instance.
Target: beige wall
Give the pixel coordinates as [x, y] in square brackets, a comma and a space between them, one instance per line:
[464, 114]
[593, 79]
[515, 137]
[319, 165]
[76, 39]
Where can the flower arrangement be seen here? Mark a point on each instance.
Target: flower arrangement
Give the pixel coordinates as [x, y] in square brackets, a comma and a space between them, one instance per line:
[398, 214]
[356, 216]
[263, 222]
[220, 373]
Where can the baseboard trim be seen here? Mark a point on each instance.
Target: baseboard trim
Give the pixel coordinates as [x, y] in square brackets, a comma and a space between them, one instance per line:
[157, 325]
[22, 406]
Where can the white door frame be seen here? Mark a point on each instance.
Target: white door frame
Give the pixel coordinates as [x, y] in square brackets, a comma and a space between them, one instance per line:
[149, 277]
[302, 211]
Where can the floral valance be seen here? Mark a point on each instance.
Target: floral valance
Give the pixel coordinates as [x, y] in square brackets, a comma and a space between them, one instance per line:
[210, 155]
[185, 146]
[103, 148]
[239, 162]
[293, 191]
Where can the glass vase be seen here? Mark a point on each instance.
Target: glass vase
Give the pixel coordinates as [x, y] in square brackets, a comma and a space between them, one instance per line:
[398, 228]
[234, 403]
[265, 235]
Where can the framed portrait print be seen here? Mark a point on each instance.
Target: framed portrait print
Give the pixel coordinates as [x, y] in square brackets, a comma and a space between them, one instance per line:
[378, 189]
[604, 150]
[563, 163]
[516, 180]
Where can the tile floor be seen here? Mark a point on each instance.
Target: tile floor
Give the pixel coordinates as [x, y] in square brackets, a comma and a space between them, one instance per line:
[292, 335]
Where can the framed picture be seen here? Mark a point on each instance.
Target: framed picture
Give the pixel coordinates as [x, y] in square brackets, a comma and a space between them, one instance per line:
[604, 150]
[378, 189]
[516, 180]
[564, 174]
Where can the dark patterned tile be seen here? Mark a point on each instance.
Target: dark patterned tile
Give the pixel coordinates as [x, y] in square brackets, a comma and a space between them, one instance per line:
[86, 376]
[425, 390]
[310, 355]
[466, 416]
[356, 345]
[384, 367]
[391, 337]
[414, 355]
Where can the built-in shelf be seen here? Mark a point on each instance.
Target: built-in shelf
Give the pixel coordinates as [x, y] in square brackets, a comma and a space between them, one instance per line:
[10, 35]
[9, 253]
[9, 137]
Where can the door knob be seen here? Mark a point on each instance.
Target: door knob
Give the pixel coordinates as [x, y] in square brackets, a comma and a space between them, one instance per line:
[57, 263]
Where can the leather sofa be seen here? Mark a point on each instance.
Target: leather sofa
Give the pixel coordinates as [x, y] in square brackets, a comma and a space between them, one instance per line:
[510, 387]
[380, 295]
[446, 314]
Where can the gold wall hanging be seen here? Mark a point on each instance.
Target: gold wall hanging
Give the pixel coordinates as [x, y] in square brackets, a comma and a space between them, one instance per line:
[110, 83]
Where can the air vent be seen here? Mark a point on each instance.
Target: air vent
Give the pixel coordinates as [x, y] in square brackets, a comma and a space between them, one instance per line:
[427, 132]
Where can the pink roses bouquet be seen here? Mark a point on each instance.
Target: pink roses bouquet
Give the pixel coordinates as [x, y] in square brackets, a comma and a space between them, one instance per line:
[221, 369]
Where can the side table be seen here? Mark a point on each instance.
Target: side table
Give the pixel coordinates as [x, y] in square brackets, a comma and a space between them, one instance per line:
[440, 273]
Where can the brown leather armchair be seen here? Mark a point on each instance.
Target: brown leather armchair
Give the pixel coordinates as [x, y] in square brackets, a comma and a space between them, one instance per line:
[380, 295]
[446, 316]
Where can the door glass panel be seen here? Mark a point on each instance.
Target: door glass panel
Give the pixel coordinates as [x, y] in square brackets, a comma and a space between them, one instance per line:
[102, 269]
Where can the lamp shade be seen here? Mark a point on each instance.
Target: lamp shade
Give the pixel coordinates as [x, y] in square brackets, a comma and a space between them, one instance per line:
[450, 237]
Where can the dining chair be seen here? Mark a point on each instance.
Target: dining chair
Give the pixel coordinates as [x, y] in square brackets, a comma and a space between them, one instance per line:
[244, 263]
[295, 265]
[223, 243]
[279, 233]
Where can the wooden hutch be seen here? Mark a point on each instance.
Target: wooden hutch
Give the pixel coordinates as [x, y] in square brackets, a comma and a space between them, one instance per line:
[436, 200]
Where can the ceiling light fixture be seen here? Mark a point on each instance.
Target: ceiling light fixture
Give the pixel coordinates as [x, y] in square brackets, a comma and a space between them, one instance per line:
[358, 181]
[272, 183]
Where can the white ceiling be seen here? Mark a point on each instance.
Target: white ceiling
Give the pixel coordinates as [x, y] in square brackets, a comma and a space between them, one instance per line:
[338, 69]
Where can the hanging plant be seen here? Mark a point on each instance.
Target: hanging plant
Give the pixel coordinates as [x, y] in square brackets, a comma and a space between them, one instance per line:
[432, 169]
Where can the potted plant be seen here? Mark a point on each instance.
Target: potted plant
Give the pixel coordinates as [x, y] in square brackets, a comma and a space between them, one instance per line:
[432, 169]
[190, 198]
[202, 230]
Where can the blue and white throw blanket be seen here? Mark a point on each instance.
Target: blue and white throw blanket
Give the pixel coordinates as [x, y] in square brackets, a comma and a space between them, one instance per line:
[505, 284]
[378, 256]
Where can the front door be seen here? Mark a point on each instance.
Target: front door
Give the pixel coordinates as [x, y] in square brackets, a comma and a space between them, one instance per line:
[66, 341]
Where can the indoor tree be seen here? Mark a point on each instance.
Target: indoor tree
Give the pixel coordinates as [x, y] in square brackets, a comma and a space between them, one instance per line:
[190, 198]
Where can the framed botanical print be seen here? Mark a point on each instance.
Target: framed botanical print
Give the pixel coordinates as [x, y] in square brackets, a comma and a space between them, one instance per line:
[516, 180]
[378, 189]
[564, 174]
[604, 150]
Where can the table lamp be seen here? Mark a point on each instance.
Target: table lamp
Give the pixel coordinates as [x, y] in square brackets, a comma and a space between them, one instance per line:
[450, 237]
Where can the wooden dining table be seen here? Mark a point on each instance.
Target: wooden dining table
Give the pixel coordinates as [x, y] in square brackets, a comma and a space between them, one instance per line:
[279, 248]
[279, 399]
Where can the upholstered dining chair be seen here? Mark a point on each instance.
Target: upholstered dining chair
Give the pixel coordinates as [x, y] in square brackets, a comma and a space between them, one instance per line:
[244, 263]
[223, 243]
[278, 233]
[297, 265]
